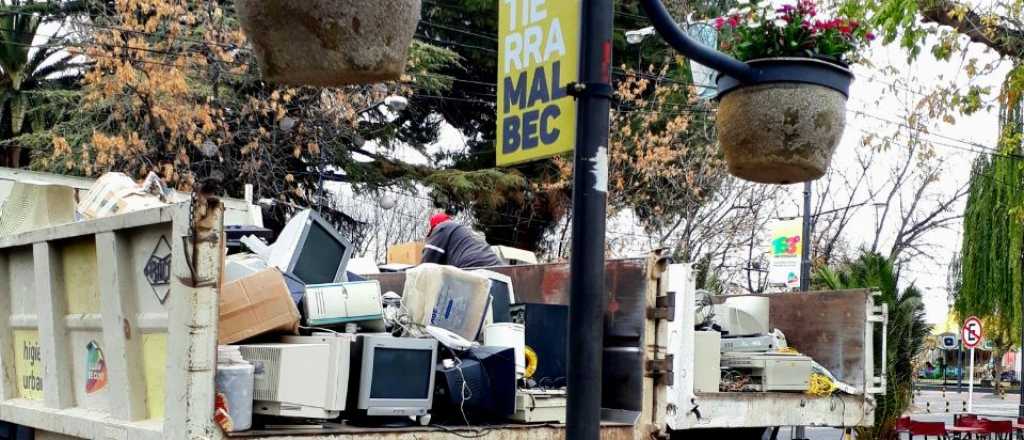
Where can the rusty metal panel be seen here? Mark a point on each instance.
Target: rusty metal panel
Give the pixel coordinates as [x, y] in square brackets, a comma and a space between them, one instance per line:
[827, 326]
[549, 284]
[626, 281]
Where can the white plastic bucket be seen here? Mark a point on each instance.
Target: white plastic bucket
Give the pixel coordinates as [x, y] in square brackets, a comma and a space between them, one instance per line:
[505, 334]
[235, 381]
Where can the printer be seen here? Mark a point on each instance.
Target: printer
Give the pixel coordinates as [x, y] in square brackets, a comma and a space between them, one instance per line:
[771, 371]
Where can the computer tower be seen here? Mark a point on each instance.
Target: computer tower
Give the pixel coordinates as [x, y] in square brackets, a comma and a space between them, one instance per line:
[547, 334]
[481, 387]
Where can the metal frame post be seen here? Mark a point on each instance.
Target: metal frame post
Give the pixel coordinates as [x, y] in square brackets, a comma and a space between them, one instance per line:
[589, 199]
[806, 241]
[799, 433]
[960, 367]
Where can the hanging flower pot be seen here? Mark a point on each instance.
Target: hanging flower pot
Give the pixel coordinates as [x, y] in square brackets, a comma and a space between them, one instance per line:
[330, 42]
[783, 130]
[783, 90]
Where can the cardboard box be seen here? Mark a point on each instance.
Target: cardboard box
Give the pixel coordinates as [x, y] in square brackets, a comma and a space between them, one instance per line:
[406, 253]
[255, 305]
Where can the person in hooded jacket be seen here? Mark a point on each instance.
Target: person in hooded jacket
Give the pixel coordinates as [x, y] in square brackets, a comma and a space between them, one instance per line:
[455, 245]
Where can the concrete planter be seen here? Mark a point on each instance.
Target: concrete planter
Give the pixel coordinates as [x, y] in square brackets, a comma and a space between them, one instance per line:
[783, 131]
[330, 42]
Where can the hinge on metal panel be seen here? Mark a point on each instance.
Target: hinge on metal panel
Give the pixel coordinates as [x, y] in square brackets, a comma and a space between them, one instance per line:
[664, 308]
[661, 369]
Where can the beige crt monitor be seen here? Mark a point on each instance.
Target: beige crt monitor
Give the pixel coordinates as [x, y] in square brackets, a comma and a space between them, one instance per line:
[302, 377]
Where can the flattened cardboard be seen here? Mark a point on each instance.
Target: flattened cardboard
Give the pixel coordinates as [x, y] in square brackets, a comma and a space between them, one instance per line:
[257, 304]
[406, 253]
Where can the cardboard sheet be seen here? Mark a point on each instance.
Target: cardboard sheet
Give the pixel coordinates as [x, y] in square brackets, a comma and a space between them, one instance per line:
[257, 304]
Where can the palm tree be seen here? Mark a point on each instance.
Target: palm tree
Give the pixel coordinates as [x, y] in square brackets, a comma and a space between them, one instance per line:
[25, 71]
[905, 338]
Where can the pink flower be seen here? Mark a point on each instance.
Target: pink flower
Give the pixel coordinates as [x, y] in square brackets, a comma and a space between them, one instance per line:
[734, 21]
[807, 7]
[786, 9]
[719, 22]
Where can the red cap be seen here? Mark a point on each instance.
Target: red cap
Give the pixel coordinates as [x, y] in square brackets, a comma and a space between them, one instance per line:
[437, 219]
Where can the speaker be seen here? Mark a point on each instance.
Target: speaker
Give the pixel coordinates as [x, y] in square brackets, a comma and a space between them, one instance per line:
[547, 333]
[481, 387]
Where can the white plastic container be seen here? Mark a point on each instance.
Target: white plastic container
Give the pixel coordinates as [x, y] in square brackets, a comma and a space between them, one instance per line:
[234, 383]
[505, 334]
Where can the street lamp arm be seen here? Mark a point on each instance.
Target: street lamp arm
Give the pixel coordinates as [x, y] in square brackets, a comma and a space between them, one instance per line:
[670, 31]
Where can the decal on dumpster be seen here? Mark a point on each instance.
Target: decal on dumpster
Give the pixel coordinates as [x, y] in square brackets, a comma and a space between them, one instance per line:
[158, 270]
[28, 364]
[95, 368]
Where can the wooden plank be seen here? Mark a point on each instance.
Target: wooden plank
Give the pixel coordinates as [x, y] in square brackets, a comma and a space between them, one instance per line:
[53, 334]
[121, 335]
[8, 388]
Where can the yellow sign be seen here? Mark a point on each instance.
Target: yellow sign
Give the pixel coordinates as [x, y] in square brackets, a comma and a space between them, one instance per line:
[539, 44]
[28, 364]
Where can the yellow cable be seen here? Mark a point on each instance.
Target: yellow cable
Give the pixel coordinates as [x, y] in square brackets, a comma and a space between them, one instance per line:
[820, 385]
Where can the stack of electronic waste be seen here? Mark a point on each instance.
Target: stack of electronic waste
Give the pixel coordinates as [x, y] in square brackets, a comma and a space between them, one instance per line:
[749, 356]
[310, 342]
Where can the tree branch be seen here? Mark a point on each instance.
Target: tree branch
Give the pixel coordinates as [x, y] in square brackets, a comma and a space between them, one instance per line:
[1002, 39]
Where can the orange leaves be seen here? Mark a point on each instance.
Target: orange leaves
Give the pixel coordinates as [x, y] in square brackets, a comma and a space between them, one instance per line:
[662, 148]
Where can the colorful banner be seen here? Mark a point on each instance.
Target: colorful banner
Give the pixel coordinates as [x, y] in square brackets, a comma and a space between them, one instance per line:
[538, 56]
[784, 250]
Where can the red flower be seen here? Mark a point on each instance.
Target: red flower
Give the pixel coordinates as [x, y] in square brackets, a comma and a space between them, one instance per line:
[734, 21]
[719, 22]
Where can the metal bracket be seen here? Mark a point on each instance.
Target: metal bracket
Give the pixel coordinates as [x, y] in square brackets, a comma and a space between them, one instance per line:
[579, 90]
[664, 309]
[661, 369]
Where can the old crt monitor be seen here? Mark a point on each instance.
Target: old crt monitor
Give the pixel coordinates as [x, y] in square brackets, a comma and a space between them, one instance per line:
[310, 248]
[396, 376]
[502, 295]
[481, 386]
[303, 377]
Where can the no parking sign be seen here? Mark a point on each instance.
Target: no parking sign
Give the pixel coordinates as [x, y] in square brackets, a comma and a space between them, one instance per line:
[971, 334]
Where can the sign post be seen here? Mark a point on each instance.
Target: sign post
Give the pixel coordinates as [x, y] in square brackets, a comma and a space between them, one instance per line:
[971, 336]
[554, 96]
